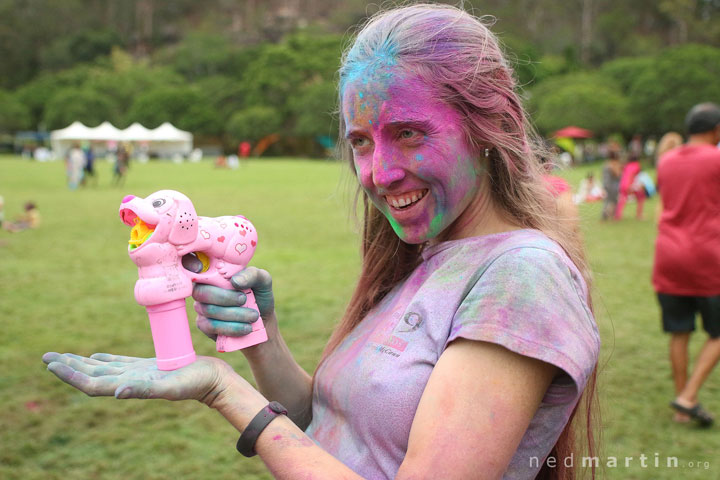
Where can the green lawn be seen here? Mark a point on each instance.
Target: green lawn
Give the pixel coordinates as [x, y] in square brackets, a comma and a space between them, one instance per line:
[68, 287]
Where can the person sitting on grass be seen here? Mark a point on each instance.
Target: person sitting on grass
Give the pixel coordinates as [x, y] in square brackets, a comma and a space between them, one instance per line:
[29, 219]
[469, 339]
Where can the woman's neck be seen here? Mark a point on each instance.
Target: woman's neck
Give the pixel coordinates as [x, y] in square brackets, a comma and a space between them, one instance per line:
[481, 217]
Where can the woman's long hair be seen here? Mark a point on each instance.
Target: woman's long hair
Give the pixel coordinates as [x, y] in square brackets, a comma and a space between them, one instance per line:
[457, 54]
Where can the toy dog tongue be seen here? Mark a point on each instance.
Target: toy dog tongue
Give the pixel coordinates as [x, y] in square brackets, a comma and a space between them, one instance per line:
[140, 233]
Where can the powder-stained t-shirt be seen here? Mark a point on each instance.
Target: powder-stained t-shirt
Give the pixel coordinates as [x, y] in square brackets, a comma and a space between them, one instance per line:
[516, 289]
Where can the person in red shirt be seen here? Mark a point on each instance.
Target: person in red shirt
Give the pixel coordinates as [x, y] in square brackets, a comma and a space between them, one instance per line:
[686, 272]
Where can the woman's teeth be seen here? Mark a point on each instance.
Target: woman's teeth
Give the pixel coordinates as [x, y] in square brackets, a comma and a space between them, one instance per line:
[406, 199]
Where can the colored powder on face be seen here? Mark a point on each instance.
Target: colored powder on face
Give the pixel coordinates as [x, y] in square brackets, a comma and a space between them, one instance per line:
[397, 228]
[451, 181]
[436, 224]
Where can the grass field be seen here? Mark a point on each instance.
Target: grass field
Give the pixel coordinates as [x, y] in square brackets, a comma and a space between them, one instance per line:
[68, 285]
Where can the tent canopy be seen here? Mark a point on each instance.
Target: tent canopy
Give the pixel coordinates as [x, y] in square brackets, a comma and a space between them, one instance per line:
[573, 132]
[164, 140]
[135, 133]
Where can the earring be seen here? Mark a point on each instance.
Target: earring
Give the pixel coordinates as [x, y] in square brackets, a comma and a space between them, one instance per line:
[487, 153]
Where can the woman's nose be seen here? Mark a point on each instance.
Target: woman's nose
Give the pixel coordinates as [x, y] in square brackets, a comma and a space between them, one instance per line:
[386, 169]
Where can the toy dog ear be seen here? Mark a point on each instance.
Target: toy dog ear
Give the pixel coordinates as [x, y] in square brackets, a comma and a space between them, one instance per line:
[185, 224]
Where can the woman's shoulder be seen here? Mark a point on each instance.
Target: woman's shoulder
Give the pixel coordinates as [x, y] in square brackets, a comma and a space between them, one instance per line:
[488, 247]
[506, 257]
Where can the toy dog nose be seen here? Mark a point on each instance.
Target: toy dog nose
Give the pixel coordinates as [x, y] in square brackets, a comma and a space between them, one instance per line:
[128, 198]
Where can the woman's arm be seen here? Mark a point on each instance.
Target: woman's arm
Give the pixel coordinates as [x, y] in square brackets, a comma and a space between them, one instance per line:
[277, 374]
[280, 378]
[474, 411]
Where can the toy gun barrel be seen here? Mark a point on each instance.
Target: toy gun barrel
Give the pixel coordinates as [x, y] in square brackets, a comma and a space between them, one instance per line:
[171, 335]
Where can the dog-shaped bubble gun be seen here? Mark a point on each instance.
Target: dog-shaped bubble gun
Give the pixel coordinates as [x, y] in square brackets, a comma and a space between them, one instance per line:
[165, 227]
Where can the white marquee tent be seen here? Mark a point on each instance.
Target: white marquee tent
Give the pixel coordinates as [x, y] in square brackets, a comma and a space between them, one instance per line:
[165, 140]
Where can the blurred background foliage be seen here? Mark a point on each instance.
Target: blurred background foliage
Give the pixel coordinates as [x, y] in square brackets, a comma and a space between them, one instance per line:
[241, 70]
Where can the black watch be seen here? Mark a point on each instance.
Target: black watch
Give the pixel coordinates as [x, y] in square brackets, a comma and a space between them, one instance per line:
[246, 442]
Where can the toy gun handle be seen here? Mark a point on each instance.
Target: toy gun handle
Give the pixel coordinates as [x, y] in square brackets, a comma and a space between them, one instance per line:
[171, 335]
[258, 334]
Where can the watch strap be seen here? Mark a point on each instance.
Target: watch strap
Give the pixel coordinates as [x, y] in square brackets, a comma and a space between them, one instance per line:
[249, 436]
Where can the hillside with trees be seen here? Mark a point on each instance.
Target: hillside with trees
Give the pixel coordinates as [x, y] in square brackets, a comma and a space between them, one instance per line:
[240, 70]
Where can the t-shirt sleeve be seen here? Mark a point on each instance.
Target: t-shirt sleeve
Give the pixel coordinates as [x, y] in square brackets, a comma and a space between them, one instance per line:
[529, 301]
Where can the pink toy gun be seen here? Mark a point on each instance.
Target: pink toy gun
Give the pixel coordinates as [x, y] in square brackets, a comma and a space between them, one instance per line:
[165, 227]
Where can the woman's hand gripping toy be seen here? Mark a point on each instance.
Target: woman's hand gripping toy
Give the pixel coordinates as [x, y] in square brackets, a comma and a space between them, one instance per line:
[165, 227]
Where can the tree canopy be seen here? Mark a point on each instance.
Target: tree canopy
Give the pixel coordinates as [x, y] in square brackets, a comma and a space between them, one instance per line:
[610, 66]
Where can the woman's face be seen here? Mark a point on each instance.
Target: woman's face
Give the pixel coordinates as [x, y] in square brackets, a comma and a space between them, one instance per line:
[410, 152]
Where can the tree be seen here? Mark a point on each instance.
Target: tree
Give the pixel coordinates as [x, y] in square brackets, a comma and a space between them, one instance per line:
[13, 114]
[81, 47]
[199, 55]
[583, 99]
[78, 104]
[661, 95]
[163, 104]
[36, 94]
[254, 123]
[626, 70]
[127, 85]
[314, 109]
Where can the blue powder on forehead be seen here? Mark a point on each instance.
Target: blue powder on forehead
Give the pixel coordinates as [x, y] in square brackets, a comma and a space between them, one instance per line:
[359, 65]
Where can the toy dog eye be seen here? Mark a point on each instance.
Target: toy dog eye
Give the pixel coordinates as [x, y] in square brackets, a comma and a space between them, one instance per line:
[158, 203]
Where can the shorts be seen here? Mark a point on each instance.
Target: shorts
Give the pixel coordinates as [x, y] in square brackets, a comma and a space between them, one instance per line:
[678, 313]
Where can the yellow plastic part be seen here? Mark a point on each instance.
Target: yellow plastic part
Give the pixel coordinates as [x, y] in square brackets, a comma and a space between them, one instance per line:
[140, 233]
[204, 259]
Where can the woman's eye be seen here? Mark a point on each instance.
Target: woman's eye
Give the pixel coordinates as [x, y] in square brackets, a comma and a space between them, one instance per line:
[158, 203]
[359, 142]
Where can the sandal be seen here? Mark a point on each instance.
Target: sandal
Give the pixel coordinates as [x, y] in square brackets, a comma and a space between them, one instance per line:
[697, 413]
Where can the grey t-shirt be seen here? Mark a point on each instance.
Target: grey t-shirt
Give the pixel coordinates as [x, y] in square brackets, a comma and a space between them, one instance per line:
[516, 289]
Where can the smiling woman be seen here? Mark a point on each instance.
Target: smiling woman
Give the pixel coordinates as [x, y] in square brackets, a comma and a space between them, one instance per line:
[469, 339]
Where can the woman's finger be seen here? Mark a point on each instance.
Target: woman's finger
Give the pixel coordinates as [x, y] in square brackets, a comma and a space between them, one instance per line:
[218, 296]
[212, 327]
[92, 386]
[192, 263]
[204, 326]
[226, 314]
[109, 357]
[252, 277]
[86, 366]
